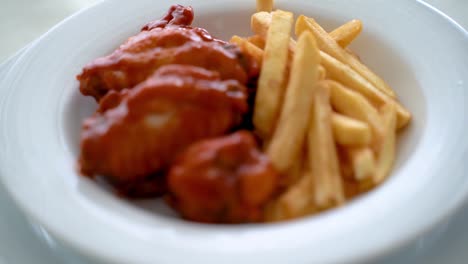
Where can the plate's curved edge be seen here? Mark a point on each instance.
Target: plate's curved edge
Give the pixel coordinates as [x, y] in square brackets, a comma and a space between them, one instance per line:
[448, 214]
[443, 14]
[461, 201]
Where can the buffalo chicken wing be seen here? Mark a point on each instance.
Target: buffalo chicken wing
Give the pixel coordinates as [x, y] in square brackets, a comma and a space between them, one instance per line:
[169, 40]
[139, 132]
[223, 180]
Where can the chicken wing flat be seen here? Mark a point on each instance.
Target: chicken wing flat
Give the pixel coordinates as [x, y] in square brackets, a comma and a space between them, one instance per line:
[138, 132]
[170, 40]
[222, 180]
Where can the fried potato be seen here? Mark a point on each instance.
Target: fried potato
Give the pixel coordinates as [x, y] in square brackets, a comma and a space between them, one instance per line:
[346, 33]
[348, 131]
[342, 73]
[353, 104]
[265, 5]
[255, 52]
[272, 80]
[322, 73]
[322, 155]
[330, 46]
[386, 153]
[363, 162]
[327, 157]
[295, 202]
[260, 22]
[291, 129]
[257, 41]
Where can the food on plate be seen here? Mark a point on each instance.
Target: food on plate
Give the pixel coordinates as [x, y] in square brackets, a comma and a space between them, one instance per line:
[265, 128]
[225, 179]
[154, 121]
[346, 33]
[289, 136]
[170, 40]
[272, 79]
[330, 46]
[348, 131]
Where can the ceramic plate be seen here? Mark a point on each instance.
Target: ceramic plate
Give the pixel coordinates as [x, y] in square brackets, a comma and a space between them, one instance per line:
[420, 52]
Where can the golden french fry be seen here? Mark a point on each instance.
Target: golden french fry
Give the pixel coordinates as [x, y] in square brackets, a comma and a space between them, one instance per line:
[322, 155]
[386, 154]
[348, 131]
[289, 136]
[272, 80]
[296, 200]
[346, 33]
[363, 162]
[265, 5]
[260, 23]
[322, 73]
[257, 41]
[342, 73]
[255, 52]
[353, 104]
[329, 45]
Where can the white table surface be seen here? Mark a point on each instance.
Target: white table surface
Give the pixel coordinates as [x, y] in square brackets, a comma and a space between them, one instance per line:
[22, 21]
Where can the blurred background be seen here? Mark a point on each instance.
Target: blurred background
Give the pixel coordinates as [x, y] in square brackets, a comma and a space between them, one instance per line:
[22, 21]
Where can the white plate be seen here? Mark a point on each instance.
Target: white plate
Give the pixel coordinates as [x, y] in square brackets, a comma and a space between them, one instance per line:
[41, 111]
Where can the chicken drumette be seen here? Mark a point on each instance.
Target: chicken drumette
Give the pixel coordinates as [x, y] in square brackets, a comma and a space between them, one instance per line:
[138, 132]
[222, 180]
[170, 40]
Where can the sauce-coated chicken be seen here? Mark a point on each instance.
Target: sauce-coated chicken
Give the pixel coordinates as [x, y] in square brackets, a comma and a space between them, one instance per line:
[138, 132]
[170, 40]
[223, 180]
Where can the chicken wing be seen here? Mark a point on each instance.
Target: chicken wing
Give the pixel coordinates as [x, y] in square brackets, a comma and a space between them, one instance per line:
[170, 40]
[222, 180]
[138, 132]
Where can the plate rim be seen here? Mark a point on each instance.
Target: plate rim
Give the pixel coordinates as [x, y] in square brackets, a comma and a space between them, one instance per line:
[457, 204]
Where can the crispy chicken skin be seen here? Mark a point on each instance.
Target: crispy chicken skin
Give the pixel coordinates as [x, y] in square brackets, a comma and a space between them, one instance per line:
[222, 180]
[170, 40]
[138, 132]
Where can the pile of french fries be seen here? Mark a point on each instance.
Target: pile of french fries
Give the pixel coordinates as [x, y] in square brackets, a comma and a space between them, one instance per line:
[327, 121]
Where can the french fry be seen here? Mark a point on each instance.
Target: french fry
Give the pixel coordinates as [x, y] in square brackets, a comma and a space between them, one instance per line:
[329, 45]
[289, 136]
[260, 22]
[326, 157]
[322, 155]
[353, 104]
[363, 163]
[296, 200]
[272, 80]
[386, 154]
[255, 52]
[348, 131]
[257, 41]
[342, 73]
[346, 33]
[265, 5]
[322, 73]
